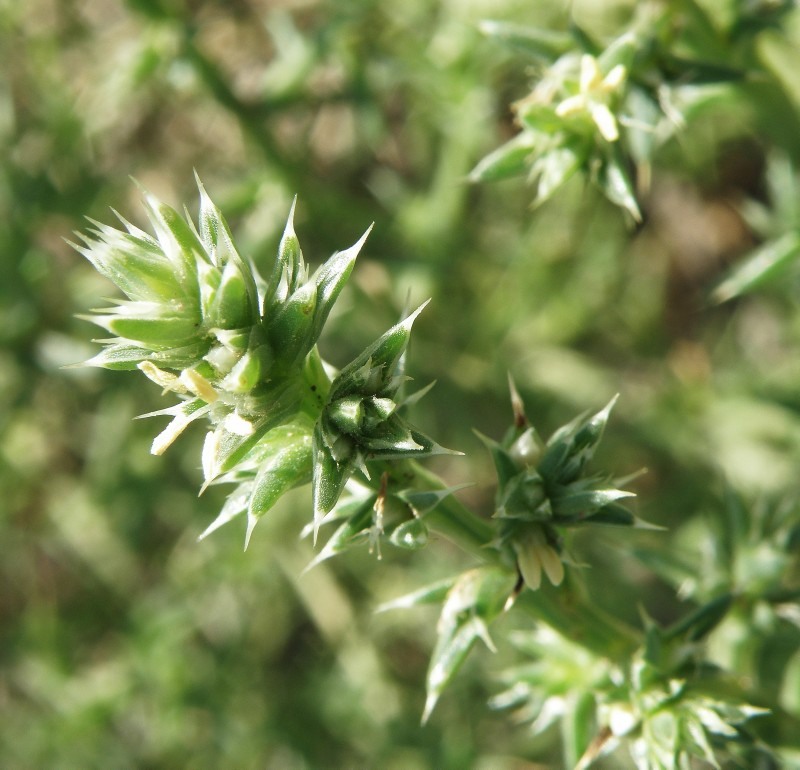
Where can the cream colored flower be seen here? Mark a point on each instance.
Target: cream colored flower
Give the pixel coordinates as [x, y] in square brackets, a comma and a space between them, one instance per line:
[593, 96]
[535, 554]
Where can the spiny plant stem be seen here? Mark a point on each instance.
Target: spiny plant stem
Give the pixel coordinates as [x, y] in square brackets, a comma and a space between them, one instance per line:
[566, 608]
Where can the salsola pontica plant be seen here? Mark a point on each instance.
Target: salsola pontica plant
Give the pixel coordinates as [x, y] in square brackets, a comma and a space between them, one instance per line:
[239, 351]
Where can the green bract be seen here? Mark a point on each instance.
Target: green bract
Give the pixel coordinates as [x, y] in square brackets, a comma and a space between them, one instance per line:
[543, 489]
[360, 421]
[241, 351]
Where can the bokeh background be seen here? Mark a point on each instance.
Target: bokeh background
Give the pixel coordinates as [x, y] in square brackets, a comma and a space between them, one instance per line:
[126, 643]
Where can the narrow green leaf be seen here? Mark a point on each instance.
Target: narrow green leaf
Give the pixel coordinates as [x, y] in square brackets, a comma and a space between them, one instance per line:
[510, 159]
[505, 467]
[555, 167]
[231, 308]
[613, 515]
[416, 444]
[288, 467]
[642, 130]
[212, 225]
[540, 120]
[288, 268]
[431, 594]
[587, 435]
[702, 621]
[290, 331]
[585, 503]
[554, 460]
[347, 414]
[155, 331]
[235, 505]
[424, 501]
[449, 655]
[578, 725]
[584, 42]
[616, 185]
[351, 533]
[693, 71]
[391, 436]
[622, 51]
[476, 598]
[177, 240]
[120, 357]
[544, 44]
[381, 356]
[764, 265]
[135, 265]
[328, 477]
[330, 279]
[223, 253]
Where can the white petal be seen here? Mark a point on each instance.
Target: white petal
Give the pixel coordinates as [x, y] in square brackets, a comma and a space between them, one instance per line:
[605, 121]
[571, 106]
[530, 567]
[590, 73]
[199, 385]
[553, 566]
[615, 78]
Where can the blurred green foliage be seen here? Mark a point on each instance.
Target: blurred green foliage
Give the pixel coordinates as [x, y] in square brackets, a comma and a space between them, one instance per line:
[123, 642]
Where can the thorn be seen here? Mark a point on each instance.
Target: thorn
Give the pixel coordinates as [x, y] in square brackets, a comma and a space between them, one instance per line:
[251, 525]
[520, 420]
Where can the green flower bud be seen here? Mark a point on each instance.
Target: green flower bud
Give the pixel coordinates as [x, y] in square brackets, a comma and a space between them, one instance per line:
[231, 306]
[177, 240]
[376, 411]
[347, 414]
[208, 279]
[371, 373]
[288, 268]
[290, 330]
[527, 449]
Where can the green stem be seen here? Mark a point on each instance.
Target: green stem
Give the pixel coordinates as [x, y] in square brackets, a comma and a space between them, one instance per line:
[568, 610]
[452, 519]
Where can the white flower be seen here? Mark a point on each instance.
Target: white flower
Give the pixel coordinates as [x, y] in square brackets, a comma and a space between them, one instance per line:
[593, 96]
[535, 554]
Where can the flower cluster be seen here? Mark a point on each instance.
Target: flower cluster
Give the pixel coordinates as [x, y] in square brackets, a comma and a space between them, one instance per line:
[667, 705]
[604, 109]
[570, 121]
[360, 421]
[240, 350]
[543, 489]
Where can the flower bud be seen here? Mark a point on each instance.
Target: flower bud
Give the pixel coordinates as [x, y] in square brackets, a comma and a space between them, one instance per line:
[347, 414]
[527, 449]
[231, 307]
